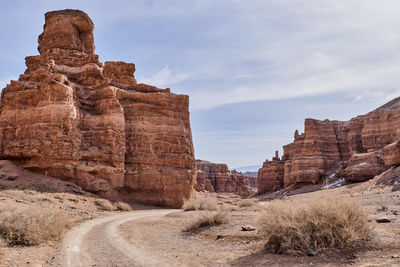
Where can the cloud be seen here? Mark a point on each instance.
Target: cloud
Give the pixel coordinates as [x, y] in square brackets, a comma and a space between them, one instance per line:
[165, 78]
[233, 51]
[270, 50]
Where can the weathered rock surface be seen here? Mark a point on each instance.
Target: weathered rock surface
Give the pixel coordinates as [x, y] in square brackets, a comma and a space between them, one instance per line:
[357, 149]
[215, 177]
[364, 166]
[71, 117]
[270, 175]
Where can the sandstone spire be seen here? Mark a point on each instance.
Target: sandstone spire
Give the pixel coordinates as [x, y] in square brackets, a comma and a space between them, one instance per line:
[74, 118]
[67, 29]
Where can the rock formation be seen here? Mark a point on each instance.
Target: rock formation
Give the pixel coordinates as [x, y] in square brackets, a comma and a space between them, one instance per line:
[215, 177]
[270, 175]
[357, 150]
[74, 118]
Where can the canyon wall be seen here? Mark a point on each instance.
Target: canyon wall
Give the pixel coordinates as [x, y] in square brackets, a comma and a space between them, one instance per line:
[74, 118]
[357, 150]
[218, 178]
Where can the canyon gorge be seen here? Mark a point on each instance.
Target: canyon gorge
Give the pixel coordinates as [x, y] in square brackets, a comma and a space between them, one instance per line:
[356, 150]
[218, 178]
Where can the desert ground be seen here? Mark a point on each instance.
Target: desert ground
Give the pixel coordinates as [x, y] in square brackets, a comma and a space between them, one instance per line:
[99, 235]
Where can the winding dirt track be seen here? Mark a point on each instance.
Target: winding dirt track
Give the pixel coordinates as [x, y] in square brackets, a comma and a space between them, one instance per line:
[99, 243]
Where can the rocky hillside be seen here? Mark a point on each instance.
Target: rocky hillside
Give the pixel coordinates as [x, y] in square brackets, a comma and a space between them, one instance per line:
[218, 178]
[72, 117]
[357, 150]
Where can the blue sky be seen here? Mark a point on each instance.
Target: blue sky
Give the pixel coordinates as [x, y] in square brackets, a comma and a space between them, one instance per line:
[253, 69]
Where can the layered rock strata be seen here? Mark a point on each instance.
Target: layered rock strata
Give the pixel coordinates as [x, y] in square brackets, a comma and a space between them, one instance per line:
[357, 150]
[218, 178]
[75, 118]
[270, 175]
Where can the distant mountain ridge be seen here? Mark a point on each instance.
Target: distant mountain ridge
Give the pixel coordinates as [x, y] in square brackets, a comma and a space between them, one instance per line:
[248, 168]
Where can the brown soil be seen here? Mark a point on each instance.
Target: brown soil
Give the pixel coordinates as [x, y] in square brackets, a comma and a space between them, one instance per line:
[156, 237]
[20, 188]
[226, 244]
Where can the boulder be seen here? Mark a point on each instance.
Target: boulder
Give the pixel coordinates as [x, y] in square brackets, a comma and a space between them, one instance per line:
[363, 167]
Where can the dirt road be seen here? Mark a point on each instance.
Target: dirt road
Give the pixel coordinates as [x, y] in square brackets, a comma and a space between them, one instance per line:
[99, 242]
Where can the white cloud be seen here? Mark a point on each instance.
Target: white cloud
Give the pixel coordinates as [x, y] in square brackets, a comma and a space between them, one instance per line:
[307, 48]
[165, 78]
[230, 51]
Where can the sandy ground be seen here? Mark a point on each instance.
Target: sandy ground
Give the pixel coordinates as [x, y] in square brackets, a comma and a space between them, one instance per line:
[150, 238]
[21, 189]
[155, 237]
[98, 242]
[226, 244]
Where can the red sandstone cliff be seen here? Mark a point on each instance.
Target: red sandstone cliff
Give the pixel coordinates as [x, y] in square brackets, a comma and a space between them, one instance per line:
[74, 118]
[215, 177]
[357, 150]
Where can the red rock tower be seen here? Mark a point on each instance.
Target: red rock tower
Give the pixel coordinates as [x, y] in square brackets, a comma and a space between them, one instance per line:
[76, 119]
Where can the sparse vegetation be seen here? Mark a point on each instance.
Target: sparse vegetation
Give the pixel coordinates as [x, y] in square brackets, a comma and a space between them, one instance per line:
[104, 204]
[123, 206]
[27, 226]
[311, 226]
[246, 203]
[207, 218]
[200, 203]
[383, 206]
[73, 200]
[228, 207]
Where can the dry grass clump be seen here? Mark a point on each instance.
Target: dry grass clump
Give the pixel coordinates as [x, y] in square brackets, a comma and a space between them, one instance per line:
[32, 226]
[123, 206]
[207, 218]
[104, 204]
[311, 226]
[199, 203]
[246, 203]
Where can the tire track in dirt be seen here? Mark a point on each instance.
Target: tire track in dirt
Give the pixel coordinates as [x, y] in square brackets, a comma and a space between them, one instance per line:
[99, 243]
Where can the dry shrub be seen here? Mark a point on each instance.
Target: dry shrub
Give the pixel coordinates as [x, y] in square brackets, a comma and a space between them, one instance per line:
[246, 203]
[104, 204]
[207, 218]
[229, 208]
[311, 226]
[30, 226]
[199, 203]
[123, 206]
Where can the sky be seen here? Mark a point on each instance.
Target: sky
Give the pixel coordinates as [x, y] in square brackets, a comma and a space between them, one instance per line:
[253, 69]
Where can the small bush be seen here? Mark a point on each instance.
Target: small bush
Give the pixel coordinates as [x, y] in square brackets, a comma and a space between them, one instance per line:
[383, 205]
[207, 218]
[104, 204]
[246, 203]
[123, 206]
[314, 225]
[199, 203]
[32, 226]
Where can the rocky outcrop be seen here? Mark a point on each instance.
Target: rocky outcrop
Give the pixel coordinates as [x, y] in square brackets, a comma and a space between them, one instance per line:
[74, 118]
[215, 177]
[357, 150]
[252, 179]
[364, 166]
[270, 175]
[391, 153]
